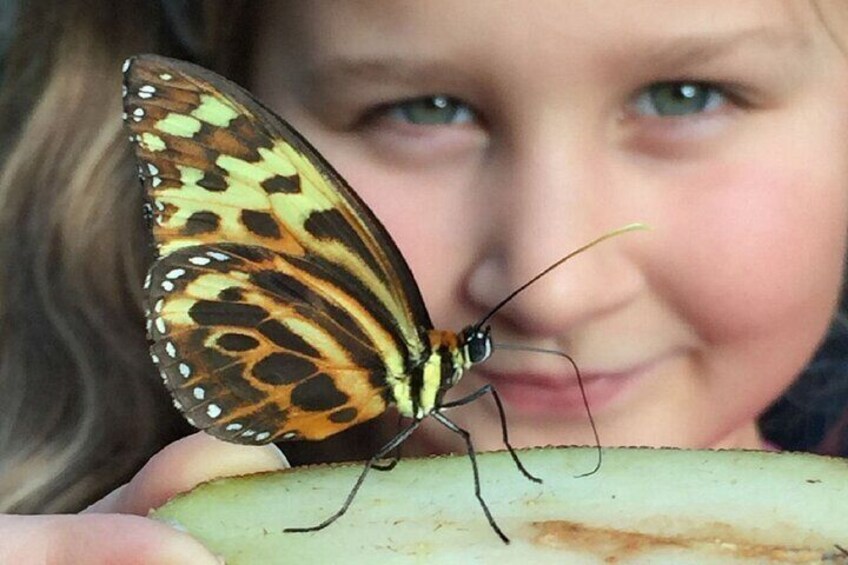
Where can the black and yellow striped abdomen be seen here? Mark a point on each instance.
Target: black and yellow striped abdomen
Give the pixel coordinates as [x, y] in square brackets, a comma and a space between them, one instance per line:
[418, 393]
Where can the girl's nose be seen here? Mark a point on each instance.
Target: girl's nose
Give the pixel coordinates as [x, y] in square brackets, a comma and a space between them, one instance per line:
[553, 194]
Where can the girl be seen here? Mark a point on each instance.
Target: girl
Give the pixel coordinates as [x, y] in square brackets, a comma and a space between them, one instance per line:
[490, 138]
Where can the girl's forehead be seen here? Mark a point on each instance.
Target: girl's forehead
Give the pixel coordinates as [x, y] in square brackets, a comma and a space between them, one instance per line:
[323, 29]
[406, 18]
[334, 45]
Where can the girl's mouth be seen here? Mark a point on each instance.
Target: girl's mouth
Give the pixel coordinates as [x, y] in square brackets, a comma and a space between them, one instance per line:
[548, 394]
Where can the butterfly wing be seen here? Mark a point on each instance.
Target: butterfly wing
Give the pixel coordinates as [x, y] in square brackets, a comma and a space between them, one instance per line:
[279, 303]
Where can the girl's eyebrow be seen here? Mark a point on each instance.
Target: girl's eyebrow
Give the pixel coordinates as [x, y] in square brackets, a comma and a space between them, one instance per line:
[678, 51]
[703, 48]
[368, 69]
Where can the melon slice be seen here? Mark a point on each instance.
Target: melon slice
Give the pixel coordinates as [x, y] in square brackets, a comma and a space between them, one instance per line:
[643, 506]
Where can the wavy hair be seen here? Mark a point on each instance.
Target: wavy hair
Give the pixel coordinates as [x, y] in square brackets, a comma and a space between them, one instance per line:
[80, 403]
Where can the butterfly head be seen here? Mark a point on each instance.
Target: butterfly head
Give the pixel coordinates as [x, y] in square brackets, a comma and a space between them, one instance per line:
[476, 344]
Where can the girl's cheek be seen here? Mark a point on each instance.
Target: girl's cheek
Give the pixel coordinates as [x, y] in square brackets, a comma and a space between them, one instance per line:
[753, 247]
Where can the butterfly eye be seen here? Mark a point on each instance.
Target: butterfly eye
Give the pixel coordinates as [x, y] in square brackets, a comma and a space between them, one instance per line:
[477, 344]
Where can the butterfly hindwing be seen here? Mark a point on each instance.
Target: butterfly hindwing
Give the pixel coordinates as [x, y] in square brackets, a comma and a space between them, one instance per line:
[262, 244]
[249, 351]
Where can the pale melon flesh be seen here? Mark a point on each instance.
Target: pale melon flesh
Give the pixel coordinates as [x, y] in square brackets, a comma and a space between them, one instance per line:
[642, 506]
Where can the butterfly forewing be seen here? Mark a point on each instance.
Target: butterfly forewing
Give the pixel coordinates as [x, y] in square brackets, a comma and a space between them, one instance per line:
[279, 303]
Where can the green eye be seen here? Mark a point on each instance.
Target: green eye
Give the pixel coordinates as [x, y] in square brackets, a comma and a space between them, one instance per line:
[669, 99]
[431, 111]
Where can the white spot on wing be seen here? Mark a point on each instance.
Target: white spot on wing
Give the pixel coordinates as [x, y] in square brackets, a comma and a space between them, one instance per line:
[153, 169]
[160, 325]
[199, 260]
[262, 436]
[213, 411]
[175, 273]
[233, 427]
[166, 76]
[218, 256]
[185, 370]
[146, 91]
[199, 393]
[171, 350]
[167, 286]
[126, 66]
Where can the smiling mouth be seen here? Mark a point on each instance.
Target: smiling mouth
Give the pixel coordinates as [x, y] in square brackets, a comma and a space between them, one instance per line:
[548, 394]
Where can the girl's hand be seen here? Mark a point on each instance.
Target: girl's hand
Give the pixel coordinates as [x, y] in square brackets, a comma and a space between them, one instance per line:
[115, 529]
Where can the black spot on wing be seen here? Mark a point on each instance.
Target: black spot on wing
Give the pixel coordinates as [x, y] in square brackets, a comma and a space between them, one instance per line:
[237, 342]
[260, 223]
[213, 313]
[282, 184]
[283, 369]
[318, 394]
[343, 416]
[232, 294]
[213, 182]
[201, 222]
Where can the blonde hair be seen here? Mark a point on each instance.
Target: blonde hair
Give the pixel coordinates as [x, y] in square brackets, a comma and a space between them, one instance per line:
[81, 405]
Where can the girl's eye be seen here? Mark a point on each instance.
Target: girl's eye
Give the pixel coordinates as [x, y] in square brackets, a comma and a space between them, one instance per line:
[673, 99]
[430, 111]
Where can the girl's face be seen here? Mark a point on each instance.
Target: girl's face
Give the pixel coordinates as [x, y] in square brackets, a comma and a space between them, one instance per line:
[494, 137]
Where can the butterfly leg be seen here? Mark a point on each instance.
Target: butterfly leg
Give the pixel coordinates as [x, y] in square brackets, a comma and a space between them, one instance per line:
[391, 463]
[395, 442]
[477, 394]
[471, 455]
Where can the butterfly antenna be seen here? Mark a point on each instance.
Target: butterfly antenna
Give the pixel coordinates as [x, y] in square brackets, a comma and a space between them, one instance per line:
[582, 394]
[514, 293]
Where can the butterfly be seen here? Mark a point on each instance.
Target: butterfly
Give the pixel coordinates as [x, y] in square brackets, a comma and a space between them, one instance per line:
[279, 307]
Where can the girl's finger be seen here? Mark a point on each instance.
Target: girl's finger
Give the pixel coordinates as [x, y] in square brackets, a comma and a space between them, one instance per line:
[97, 539]
[183, 465]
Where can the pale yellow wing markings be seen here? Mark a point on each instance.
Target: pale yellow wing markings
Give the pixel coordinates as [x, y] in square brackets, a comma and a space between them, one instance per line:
[187, 113]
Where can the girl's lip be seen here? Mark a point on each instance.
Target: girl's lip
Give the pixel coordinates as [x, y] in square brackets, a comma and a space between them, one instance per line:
[559, 394]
